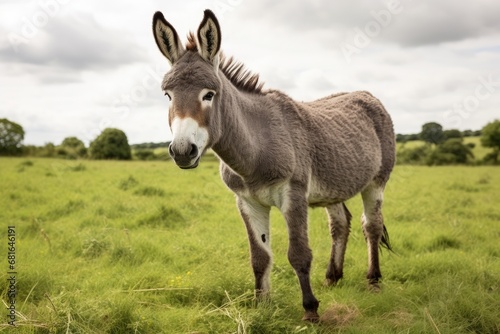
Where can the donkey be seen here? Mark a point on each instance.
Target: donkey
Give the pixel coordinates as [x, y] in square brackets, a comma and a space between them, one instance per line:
[275, 151]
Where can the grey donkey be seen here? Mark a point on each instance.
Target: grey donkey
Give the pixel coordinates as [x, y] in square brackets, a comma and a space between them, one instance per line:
[275, 151]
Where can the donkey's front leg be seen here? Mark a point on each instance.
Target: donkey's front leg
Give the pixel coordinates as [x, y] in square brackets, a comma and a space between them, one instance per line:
[256, 218]
[299, 253]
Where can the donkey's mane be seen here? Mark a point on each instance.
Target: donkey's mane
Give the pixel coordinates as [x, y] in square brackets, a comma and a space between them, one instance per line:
[191, 43]
[235, 71]
[240, 77]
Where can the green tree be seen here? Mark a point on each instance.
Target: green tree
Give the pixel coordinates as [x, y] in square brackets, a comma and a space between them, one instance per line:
[72, 142]
[490, 137]
[73, 147]
[432, 133]
[11, 137]
[111, 144]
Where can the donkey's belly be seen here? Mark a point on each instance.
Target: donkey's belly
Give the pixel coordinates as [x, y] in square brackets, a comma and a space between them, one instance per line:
[317, 198]
[325, 192]
[319, 201]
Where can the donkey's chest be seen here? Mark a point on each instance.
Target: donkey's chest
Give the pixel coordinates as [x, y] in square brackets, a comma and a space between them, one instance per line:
[272, 195]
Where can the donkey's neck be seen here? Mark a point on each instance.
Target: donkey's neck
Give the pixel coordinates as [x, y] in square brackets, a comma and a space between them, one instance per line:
[253, 139]
[238, 141]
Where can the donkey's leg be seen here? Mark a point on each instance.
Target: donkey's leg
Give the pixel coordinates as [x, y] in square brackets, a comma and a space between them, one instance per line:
[256, 218]
[373, 229]
[339, 219]
[299, 253]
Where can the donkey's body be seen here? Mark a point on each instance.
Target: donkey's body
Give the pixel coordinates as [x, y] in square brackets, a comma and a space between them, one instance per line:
[275, 151]
[335, 146]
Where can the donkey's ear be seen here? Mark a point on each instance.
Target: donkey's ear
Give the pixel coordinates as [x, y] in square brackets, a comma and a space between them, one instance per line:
[166, 38]
[209, 37]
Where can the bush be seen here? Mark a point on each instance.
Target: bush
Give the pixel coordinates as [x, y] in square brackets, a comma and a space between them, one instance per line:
[72, 148]
[145, 154]
[47, 151]
[111, 144]
[416, 156]
[452, 151]
[490, 158]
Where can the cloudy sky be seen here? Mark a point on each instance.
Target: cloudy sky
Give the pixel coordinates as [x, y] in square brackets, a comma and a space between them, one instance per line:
[73, 68]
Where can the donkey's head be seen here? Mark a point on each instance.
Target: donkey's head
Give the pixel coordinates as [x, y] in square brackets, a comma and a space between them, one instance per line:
[192, 85]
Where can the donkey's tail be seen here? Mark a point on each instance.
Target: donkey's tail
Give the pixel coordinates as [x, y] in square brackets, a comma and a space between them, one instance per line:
[385, 242]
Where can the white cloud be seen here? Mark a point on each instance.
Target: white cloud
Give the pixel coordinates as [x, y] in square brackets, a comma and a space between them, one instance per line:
[73, 43]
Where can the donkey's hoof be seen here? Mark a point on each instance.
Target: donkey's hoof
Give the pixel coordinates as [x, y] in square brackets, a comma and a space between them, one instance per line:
[374, 287]
[262, 296]
[330, 282]
[311, 316]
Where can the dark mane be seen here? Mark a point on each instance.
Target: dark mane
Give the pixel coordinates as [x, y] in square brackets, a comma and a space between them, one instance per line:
[235, 71]
[240, 77]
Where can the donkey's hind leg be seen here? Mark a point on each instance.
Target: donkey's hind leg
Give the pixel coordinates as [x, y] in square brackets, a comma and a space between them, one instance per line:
[339, 219]
[374, 231]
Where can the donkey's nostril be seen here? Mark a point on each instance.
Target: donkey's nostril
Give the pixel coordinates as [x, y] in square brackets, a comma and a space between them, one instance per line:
[187, 154]
[194, 151]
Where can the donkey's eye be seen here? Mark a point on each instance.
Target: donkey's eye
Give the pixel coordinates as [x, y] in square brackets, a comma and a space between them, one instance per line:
[208, 96]
[169, 98]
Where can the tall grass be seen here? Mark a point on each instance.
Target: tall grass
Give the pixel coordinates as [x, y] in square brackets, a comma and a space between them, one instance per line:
[143, 247]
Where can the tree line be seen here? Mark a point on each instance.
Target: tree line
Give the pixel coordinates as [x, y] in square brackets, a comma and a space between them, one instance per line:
[440, 146]
[447, 147]
[452, 133]
[110, 144]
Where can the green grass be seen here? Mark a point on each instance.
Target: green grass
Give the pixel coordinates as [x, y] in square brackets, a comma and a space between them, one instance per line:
[144, 247]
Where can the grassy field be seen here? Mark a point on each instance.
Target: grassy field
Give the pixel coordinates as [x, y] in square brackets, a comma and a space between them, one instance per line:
[144, 247]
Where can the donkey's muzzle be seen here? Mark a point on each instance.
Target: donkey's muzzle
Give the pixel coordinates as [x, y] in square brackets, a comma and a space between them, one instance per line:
[185, 158]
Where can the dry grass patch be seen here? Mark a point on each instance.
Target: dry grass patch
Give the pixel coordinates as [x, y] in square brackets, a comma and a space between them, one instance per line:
[339, 315]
